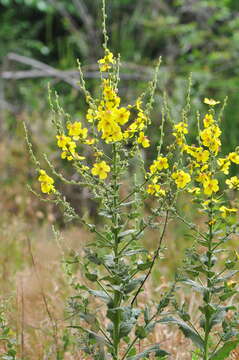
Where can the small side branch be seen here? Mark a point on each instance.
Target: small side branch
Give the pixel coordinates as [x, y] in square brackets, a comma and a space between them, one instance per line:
[154, 259]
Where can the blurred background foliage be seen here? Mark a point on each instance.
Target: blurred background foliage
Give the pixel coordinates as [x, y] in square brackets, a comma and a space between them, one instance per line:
[198, 37]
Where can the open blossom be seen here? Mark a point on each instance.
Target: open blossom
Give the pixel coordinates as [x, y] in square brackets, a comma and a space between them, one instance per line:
[210, 186]
[234, 157]
[46, 183]
[101, 170]
[143, 140]
[63, 141]
[181, 178]
[202, 156]
[210, 102]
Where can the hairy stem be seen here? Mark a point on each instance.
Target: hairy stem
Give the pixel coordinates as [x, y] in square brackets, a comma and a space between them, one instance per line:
[207, 297]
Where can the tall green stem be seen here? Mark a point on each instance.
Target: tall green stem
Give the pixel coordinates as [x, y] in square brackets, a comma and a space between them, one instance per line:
[207, 298]
[115, 230]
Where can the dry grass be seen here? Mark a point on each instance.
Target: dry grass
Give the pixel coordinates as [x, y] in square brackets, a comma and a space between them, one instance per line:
[33, 278]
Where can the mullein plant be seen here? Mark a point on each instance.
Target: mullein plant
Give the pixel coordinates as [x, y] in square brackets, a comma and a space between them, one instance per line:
[209, 267]
[116, 265]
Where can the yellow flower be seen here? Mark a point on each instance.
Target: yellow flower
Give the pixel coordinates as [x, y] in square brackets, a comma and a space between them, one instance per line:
[90, 116]
[225, 212]
[210, 186]
[76, 131]
[46, 182]
[208, 120]
[234, 157]
[181, 178]
[105, 63]
[63, 141]
[181, 128]
[210, 102]
[159, 164]
[155, 189]
[202, 177]
[224, 164]
[191, 150]
[101, 169]
[111, 131]
[202, 156]
[233, 183]
[142, 139]
[210, 138]
[122, 115]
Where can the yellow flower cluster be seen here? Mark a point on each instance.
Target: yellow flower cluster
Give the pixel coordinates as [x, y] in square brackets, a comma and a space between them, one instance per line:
[111, 118]
[107, 61]
[156, 190]
[68, 144]
[138, 125]
[180, 130]
[210, 135]
[159, 164]
[46, 183]
[76, 130]
[233, 183]
[109, 115]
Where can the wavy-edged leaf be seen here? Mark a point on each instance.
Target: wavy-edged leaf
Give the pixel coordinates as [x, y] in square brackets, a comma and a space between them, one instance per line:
[134, 252]
[133, 284]
[98, 338]
[225, 350]
[196, 286]
[126, 233]
[100, 294]
[186, 329]
[152, 349]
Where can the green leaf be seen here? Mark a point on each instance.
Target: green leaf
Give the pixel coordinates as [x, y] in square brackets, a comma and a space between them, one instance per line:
[100, 294]
[186, 329]
[126, 327]
[90, 276]
[195, 285]
[134, 252]
[126, 233]
[153, 349]
[225, 350]
[133, 284]
[98, 338]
